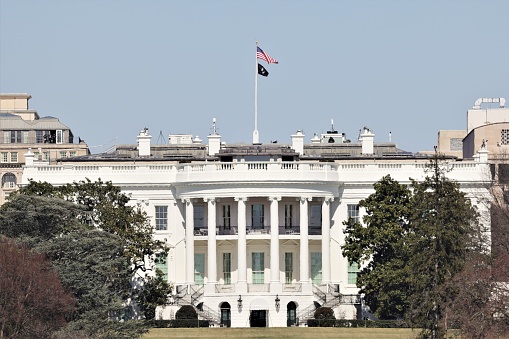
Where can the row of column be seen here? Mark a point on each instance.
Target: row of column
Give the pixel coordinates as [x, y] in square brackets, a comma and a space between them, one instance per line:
[242, 241]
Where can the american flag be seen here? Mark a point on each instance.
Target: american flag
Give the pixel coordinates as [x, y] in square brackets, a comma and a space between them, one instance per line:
[260, 54]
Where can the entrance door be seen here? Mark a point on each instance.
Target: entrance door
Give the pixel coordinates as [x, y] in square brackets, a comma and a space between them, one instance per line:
[258, 318]
[291, 314]
[226, 315]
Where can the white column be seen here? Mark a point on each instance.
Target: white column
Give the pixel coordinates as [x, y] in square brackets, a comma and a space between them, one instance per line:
[274, 240]
[242, 243]
[304, 240]
[189, 241]
[211, 244]
[326, 240]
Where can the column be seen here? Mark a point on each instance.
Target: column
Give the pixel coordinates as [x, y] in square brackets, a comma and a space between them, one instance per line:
[242, 246]
[189, 241]
[211, 244]
[326, 240]
[304, 240]
[274, 243]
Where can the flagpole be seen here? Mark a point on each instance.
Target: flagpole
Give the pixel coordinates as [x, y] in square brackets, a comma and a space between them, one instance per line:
[256, 139]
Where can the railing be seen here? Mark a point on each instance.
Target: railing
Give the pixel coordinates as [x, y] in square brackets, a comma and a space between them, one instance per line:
[196, 293]
[257, 230]
[227, 230]
[258, 287]
[315, 231]
[289, 229]
[297, 287]
[319, 293]
[351, 299]
[225, 288]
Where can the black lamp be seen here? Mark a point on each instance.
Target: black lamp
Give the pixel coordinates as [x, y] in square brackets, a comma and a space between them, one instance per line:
[239, 302]
[277, 301]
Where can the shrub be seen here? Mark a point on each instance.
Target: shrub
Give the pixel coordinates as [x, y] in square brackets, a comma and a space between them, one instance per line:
[186, 312]
[324, 313]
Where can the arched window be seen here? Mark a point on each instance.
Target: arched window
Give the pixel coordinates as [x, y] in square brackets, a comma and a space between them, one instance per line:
[226, 320]
[9, 180]
[291, 314]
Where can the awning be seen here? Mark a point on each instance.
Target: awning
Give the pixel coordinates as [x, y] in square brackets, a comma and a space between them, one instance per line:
[258, 304]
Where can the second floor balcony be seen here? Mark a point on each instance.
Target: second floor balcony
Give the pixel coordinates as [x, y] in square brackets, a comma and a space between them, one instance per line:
[252, 230]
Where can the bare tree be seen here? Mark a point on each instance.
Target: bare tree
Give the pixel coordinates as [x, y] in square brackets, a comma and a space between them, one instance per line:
[33, 303]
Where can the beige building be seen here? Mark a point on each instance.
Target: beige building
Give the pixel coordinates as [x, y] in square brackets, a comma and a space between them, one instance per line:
[21, 128]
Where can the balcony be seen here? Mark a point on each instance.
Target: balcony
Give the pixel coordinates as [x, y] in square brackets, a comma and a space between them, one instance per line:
[250, 230]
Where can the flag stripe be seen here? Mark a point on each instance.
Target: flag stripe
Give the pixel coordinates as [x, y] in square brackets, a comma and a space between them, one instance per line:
[260, 54]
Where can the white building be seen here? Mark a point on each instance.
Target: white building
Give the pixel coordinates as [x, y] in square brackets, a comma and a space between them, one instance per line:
[255, 230]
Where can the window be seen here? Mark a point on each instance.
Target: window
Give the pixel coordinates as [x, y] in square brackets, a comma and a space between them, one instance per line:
[504, 137]
[60, 136]
[353, 212]
[198, 216]
[25, 137]
[45, 155]
[199, 268]
[227, 217]
[258, 267]
[39, 137]
[4, 157]
[7, 137]
[63, 154]
[15, 137]
[288, 216]
[315, 216]
[316, 267]
[162, 264]
[161, 218]
[72, 153]
[9, 180]
[14, 156]
[257, 216]
[227, 268]
[288, 267]
[353, 270]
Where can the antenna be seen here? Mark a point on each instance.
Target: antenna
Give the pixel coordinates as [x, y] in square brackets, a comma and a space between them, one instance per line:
[332, 124]
[390, 136]
[160, 139]
[214, 126]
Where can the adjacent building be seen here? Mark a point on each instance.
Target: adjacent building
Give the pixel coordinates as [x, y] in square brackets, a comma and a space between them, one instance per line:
[22, 128]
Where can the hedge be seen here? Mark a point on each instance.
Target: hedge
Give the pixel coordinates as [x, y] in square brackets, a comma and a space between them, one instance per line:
[179, 323]
[358, 323]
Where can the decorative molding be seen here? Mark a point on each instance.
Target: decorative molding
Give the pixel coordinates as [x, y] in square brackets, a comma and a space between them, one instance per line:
[241, 199]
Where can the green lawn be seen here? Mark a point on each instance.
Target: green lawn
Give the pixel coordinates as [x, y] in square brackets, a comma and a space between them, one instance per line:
[283, 332]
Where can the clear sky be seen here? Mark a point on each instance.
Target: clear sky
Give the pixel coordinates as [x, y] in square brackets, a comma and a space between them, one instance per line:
[107, 69]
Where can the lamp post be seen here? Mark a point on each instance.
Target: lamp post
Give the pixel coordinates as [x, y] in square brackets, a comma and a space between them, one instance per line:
[239, 302]
[277, 300]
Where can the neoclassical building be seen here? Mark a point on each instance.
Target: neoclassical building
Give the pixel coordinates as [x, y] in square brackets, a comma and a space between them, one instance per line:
[255, 230]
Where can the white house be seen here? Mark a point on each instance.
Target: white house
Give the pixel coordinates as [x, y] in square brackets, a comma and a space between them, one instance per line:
[255, 230]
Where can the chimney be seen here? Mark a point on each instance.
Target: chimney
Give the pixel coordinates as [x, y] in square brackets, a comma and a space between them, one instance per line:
[214, 140]
[29, 158]
[367, 139]
[298, 142]
[144, 143]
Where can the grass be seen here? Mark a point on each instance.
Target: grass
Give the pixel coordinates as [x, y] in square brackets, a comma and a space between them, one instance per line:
[283, 332]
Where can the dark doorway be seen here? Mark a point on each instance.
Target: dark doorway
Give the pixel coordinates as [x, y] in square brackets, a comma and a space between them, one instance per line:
[291, 314]
[258, 318]
[226, 315]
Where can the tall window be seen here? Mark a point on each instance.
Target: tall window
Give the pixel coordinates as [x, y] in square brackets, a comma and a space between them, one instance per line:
[25, 137]
[199, 268]
[161, 218]
[257, 215]
[9, 180]
[258, 268]
[162, 264]
[60, 136]
[315, 216]
[353, 270]
[288, 267]
[199, 213]
[288, 216]
[227, 268]
[353, 212]
[227, 223]
[45, 155]
[7, 137]
[14, 157]
[39, 137]
[4, 157]
[15, 137]
[316, 267]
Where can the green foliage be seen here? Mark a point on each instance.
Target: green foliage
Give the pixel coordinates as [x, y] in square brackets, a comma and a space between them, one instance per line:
[186, 312]
[383, 280]
[413, 243]
[107, 209]
[324, 313]
[153, 293]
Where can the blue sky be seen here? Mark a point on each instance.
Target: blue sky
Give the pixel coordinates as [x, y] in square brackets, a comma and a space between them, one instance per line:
[107, 69]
